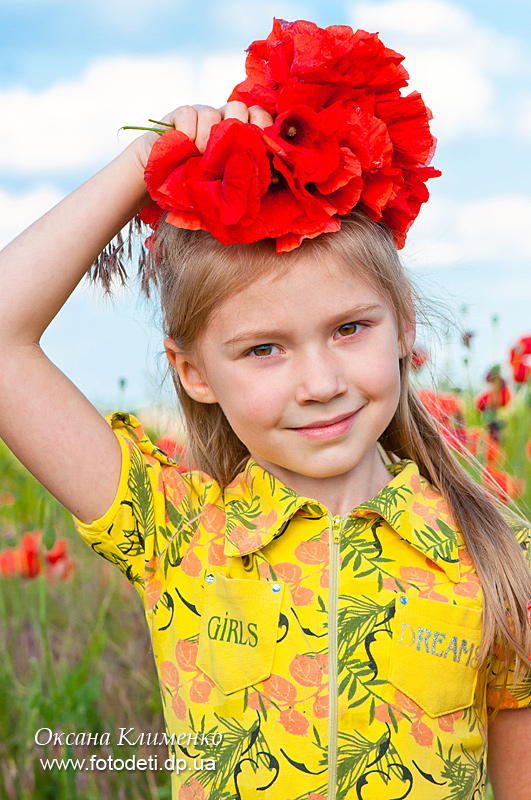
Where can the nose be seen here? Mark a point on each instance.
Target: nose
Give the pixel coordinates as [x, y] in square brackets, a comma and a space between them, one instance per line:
[319, 378]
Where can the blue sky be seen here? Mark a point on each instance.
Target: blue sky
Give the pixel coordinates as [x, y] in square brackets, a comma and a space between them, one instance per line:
[72, 73]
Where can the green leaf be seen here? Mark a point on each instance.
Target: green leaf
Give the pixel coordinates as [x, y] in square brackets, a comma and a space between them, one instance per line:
[317, 737]
[344, 683]
[392, 717]
[142, 496]
[358, 702]
[49, 537]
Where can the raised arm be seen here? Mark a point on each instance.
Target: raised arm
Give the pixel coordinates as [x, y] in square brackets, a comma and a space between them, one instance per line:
[45, 420]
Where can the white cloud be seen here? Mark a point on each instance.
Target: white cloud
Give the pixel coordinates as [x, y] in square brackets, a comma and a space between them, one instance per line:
[74, 124]
[237, 16]
[524, 118]
[17, 211]
[414, 17]
[453, 60]
[456, 233]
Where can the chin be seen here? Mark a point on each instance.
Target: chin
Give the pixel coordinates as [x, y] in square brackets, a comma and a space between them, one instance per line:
[322, 471]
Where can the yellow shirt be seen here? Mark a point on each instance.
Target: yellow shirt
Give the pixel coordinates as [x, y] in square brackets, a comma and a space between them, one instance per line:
[307, 655]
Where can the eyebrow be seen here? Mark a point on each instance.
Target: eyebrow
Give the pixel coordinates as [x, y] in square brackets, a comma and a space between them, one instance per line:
[268, 334]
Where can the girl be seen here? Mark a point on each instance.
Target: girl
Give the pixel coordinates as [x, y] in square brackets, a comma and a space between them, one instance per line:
[335, 606]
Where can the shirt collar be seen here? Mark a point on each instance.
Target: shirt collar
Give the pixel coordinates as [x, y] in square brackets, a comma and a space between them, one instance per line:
[258, 506]
[419, 514]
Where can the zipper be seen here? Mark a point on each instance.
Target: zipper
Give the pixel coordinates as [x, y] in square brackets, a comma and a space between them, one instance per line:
[335, 527]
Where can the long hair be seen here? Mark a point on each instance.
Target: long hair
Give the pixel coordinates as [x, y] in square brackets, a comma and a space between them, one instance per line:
[196, 273]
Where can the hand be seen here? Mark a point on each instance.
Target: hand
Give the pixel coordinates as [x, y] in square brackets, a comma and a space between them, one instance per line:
[196, 122]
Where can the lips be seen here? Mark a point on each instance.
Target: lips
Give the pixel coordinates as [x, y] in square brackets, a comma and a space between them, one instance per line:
[325, 423]
[325, 430]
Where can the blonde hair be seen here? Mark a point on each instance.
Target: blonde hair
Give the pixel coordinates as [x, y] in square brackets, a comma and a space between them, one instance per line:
[196, 273]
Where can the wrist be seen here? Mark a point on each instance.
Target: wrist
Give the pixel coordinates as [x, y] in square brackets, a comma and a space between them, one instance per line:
[139, 150]
[131, 163]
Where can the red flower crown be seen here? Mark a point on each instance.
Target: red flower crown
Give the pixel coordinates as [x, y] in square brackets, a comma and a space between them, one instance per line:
[342, 136]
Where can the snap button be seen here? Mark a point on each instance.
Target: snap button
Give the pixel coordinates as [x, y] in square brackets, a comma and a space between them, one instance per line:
[209, 578]
[403, 600]
[275, 587]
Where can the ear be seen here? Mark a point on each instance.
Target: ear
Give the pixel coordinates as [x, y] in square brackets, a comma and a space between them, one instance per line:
[190, 373]
[407, 341]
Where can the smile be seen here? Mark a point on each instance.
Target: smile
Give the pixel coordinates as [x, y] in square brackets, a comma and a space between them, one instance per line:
[328, 429]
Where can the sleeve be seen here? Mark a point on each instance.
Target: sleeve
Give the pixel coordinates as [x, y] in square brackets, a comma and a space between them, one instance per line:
[153, 501]
[512, 695]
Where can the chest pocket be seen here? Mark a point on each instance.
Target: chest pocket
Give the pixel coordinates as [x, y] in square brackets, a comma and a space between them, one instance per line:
[434, 654]
[239, 629]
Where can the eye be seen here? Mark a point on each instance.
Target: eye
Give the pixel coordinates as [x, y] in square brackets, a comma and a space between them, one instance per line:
[263, 350]
[349, 329]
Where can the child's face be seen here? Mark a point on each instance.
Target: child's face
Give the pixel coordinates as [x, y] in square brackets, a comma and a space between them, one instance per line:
[305, 368]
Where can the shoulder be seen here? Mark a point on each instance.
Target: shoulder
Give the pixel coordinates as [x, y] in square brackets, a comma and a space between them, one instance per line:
[150, 479]
[131, 431]
[156, 508]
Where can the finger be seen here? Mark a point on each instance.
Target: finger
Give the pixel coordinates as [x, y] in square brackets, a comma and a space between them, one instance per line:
[259, 116]
[206, 118]
[184, 119]
[235, 110]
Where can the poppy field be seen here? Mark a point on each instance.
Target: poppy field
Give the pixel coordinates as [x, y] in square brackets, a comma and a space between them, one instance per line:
[75, 654]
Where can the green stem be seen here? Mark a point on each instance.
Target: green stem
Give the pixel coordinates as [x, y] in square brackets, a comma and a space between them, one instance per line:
[140, 128]
[43, 624]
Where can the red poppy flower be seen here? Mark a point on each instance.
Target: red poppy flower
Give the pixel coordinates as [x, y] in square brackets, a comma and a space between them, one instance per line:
[174, 450]
[30, 558]
[219, 191]
[334, 55]
[308, 143]
[168, 445]
[502, 484]
[442, 406]
[419, 357]
[492, 450]
[497, 397]
[342, 135]
[520, 363]
[446, 410]
[473, 437]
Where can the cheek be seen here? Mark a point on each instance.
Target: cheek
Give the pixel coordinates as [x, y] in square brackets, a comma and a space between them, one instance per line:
[249, 400]
[381, 379]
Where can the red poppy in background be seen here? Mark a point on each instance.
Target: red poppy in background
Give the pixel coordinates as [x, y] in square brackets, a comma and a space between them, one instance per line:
[497, 397]
[492, 450]
[442, 406]
[502, 484]
[474, 436]
[174, 450]
[30, 558]
[446, 410]
[419, 357]
[520, 363]
[467, 338]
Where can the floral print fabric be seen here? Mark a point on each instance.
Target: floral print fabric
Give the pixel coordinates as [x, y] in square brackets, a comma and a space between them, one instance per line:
[334, 657]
